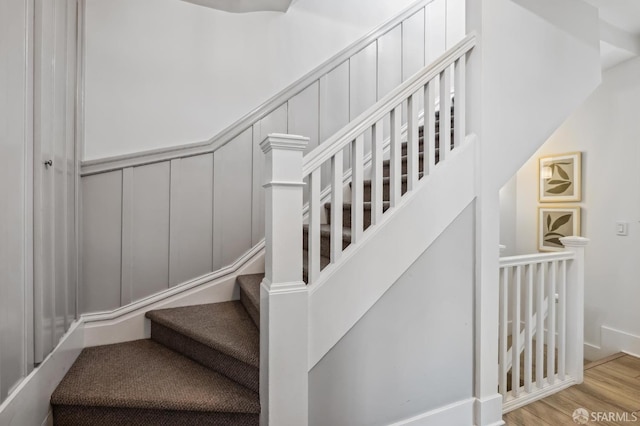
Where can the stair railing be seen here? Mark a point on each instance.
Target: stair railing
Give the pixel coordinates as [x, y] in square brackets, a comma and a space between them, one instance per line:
[541, 330]
[284, 296]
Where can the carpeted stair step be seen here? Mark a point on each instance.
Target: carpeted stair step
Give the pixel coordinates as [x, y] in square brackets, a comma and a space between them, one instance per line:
[250, 295]
[386, 189]
[346, 213]
[325, 239]
[145, 383]
[220, 336]
[324, 261]
[386, 164]
[421, 143]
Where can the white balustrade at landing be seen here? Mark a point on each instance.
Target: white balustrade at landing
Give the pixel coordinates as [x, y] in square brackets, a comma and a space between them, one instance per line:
[541, 327]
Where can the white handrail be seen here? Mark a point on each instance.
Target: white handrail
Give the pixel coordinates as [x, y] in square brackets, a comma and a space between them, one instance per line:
[528, 259]
[376, 112]
[228, 134]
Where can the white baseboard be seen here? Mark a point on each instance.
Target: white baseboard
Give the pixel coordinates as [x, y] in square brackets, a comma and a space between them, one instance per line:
[612, 341]
[620, 340]
[458, 413]
[129, 323]
[49, 420]
[488, 411]
[28, 405]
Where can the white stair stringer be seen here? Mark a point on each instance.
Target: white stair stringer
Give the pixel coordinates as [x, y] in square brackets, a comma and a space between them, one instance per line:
[347, 290]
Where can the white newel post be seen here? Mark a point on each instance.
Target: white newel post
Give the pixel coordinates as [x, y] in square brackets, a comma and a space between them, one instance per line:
[283, 294]
[575, 307]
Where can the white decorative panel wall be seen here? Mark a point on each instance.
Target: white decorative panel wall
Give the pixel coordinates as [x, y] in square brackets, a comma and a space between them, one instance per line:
[191, 224]
[232, 195]
[101, 241]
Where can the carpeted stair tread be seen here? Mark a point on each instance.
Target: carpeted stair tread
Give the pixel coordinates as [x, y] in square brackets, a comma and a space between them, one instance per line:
[324, 261]
[146, 375]
[225, 327]
[250, 295]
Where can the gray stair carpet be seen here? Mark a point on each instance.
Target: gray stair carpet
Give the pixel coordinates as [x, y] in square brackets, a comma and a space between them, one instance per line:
[201, 364]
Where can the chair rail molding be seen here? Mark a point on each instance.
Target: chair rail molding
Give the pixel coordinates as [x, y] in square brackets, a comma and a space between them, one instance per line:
[245, 6]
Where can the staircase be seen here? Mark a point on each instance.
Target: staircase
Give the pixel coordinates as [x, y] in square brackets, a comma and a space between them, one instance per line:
[201, 364]
[200, 367]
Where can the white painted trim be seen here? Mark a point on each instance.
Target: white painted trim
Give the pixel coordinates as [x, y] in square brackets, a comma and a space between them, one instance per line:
[537, 394]
[103, 165]
[488, 411]
[49, 420]
[245, 6]
[528, 259]
[458, 413]
[29, 404]
[350, 288]
[380, 109]
[128, 322]
[620, 341]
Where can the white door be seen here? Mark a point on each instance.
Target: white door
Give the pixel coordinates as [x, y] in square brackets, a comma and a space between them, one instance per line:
[55, 170]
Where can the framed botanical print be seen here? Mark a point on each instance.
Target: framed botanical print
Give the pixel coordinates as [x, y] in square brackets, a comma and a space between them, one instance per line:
[557, 222]
[560, 178]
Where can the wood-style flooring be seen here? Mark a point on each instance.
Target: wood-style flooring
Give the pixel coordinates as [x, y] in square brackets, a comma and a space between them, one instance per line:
[610, 393]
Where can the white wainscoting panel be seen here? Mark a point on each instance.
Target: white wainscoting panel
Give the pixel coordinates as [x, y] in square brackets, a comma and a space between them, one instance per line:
[303, 116]
[275, 122]
[334, 100]
[191, 213]
[413, 45]
[149, 235]
[435, 36]
[232, 176]
[101, 241]
[363, 80]
[389, 61]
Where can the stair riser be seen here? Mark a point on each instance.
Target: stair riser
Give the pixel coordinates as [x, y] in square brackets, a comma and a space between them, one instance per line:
[421, 143]
[386, 166]
[325, 243]
[386, 190]
[229, 367]
[252, 310]
[346, 216]
[65, 415]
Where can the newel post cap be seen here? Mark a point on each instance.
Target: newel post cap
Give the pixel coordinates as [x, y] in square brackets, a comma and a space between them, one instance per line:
[284, 142]
[574, 241]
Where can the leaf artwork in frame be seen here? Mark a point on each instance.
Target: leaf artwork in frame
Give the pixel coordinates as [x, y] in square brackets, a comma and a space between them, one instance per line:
[560, 178]
[555, 223]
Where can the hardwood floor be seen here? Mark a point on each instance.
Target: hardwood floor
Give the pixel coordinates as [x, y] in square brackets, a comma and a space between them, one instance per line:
[610, 394]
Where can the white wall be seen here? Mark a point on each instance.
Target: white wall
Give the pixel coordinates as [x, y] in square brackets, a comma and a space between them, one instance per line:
[16, 226]
[164, 72]
[413, 351]
[541, 60]
[606, 130]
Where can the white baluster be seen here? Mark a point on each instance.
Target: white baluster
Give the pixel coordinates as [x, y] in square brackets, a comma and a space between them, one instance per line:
[540, 325]
[377, 187]
[504, 331]
[412, 143]
[395, 166]
[445, 114]
[314, 226]
[357, 204]
[284, 348]
[562, 320]
[460, 100]
[575, 307]
[551, 324]
[429, 130]
[515, 333]
[336, 206]
[528, 328]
